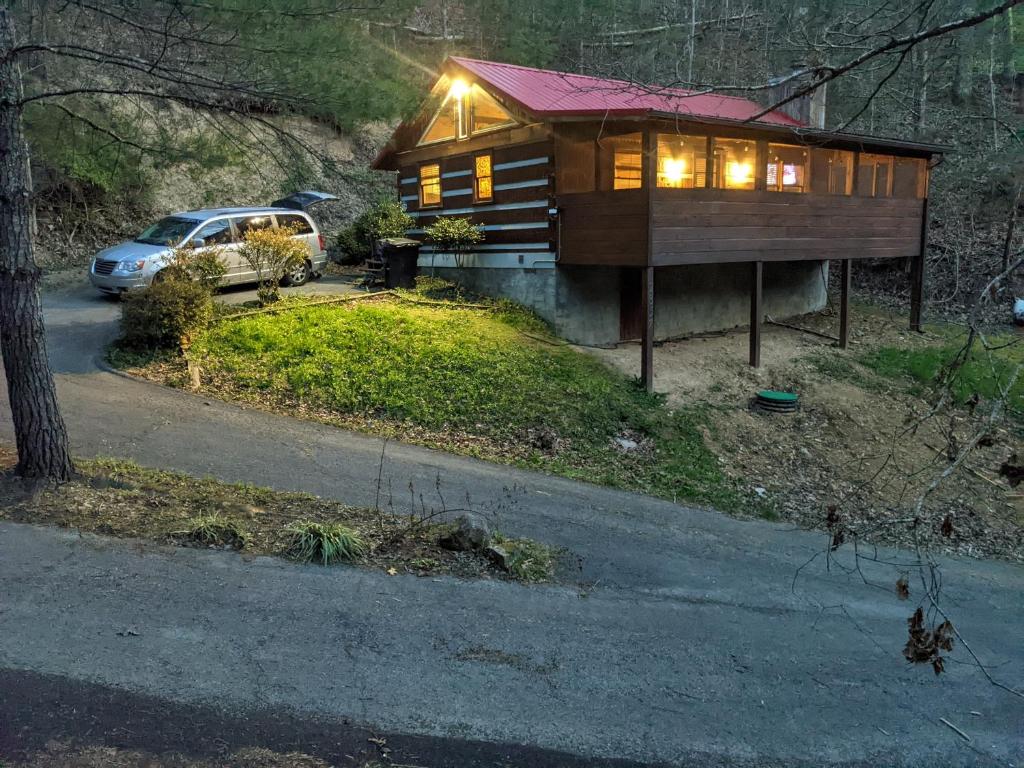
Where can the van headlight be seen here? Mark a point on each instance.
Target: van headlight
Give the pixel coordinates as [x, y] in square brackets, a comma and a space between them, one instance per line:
[130, 265]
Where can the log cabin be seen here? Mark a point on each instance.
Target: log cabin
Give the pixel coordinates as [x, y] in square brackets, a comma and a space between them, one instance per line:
[620, 212]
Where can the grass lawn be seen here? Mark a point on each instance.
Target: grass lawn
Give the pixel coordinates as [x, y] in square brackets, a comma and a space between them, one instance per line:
[985, 372]
[487, 380]
[123, 499]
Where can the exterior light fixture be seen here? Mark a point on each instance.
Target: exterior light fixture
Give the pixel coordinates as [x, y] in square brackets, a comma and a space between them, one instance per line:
[674, 170]
[459, 89]
[740, 174]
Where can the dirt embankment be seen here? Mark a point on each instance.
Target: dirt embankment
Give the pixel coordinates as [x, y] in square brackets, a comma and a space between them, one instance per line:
[74, 223]
[861, 443]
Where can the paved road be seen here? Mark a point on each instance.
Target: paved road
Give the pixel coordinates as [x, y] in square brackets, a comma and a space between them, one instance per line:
[691, 643]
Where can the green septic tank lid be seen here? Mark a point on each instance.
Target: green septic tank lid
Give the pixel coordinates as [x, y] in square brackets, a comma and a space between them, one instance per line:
[773, 396]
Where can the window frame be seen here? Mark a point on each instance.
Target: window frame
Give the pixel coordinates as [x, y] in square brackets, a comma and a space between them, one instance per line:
[616, 151]
[301, 216]
[477, 197]
[780, 170]
[717, 176]
[419, 185]
[217, 220]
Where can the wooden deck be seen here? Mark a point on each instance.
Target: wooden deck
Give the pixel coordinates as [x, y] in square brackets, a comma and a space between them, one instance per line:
[700, 226]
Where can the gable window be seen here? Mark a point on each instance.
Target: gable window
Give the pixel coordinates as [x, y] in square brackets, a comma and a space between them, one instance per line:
[430, 185]
[465, 110]
[487, 113]
[483, 178]
[787, 168]
[682, 161]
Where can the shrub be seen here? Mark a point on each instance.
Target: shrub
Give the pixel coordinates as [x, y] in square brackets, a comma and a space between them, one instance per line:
[454, 236]
[386, 218]
[206, 267]
[271, 254]
[323, 543]
[167, 315]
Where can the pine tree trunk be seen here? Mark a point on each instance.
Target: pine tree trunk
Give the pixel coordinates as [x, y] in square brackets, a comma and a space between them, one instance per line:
[38, 426]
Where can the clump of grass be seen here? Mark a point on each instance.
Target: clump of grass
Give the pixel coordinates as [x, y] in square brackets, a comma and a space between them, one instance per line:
[213, 530]
[528, 561]
[982, 372]
[323, 543]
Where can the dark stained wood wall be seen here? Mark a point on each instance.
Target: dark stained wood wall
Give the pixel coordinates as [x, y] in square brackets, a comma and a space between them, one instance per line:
[603, 228]
[522, 193]
[701, 226]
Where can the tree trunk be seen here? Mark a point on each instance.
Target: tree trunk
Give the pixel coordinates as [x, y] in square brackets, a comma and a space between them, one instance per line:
[38, 426]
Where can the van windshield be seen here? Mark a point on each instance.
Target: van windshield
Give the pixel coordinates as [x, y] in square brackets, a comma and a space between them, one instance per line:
[169, 231]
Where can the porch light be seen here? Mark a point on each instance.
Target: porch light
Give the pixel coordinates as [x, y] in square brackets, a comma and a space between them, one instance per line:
[740, 174]
[459, 89]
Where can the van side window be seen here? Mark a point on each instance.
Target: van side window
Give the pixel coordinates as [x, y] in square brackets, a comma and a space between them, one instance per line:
[295, 221]
[216, 233]
[250, 223]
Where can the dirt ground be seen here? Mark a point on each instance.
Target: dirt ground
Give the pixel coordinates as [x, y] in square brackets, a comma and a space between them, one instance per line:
[850, 447]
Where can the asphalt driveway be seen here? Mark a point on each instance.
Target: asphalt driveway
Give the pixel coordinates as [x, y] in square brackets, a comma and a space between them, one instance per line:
[682, 636]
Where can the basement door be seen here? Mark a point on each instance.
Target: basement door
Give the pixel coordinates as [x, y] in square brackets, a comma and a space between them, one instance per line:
[631, 312]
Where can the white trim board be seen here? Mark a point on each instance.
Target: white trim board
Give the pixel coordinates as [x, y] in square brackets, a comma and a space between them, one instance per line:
[480, 209]
[521, 164]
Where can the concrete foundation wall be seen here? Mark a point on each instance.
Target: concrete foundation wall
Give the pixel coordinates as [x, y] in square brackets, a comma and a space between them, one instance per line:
[714, 297]
[533, 288]
[582, 303]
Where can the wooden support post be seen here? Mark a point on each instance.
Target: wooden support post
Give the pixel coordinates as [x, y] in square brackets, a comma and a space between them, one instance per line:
[844, 304]
[917, 273]
[756, 312]
[647, 337]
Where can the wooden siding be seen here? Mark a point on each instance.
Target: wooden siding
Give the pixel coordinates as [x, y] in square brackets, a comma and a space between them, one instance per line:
[701, 226]
[603, 228]
[515, 218]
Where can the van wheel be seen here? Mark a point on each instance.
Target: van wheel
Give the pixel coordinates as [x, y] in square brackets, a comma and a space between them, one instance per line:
[299, 275]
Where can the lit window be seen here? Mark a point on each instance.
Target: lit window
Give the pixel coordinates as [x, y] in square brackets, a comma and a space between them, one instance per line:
[483, 188]
[734, 163]
[466, 109]
[445, 124]
[874, 175]
[488, 114]
[628, 169]
[787, 168]
[831, 172]
[430, 185]
[621, 161]
[682, 161]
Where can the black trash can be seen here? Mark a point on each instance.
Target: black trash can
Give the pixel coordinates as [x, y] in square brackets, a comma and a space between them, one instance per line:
[400, 256]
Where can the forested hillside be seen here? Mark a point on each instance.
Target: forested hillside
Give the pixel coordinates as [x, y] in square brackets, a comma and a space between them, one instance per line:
[345, 73]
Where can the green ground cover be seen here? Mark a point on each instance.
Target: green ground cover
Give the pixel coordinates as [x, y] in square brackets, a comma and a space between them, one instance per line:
[468, 375]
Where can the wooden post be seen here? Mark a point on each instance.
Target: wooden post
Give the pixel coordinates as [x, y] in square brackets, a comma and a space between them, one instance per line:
[756, 312]
[844, 304]
[917, 273]
[647, 337]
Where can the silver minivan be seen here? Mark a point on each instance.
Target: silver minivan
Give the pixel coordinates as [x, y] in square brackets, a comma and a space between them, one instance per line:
[135, 264]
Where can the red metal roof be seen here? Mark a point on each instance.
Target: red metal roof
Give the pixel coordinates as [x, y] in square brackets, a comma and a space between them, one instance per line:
[560, 94]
